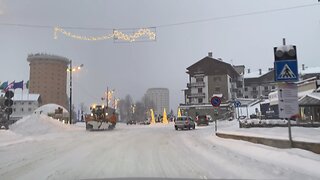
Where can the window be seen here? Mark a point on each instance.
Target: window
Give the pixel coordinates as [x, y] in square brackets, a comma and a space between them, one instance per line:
[245, 89]
[217, 79]
[14, 109]
[273, 87]
[254, 88]
[246, 97]
[21, 109]
[199, 79]
[22, 103]
[200, 100]
[29, 102]
[266, 88]
[199, 90]
[29, 109]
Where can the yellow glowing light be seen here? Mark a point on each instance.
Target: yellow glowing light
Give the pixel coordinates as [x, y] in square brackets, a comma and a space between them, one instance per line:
[116, 35]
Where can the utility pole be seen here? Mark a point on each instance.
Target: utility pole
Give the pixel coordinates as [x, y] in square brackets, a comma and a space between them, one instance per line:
[107, 97]
[70, 105]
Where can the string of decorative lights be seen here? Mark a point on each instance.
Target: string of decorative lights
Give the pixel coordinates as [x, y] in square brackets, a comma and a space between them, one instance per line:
[147, 32]
[151, 35]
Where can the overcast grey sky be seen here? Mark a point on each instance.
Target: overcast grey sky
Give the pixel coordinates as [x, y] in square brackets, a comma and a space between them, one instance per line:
[132, 68]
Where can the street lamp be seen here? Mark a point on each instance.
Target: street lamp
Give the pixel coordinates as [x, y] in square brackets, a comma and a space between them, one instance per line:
[71, 69]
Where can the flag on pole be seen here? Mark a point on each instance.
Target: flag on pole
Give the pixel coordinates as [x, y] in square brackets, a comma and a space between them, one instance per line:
[4, 85]
[10, 86]
[27, 84]
[17, 85]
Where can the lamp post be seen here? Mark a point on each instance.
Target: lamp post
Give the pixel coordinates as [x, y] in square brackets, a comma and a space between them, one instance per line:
[70, 93]
[71, 69]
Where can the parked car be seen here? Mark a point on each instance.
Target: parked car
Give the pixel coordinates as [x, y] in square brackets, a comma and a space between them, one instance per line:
[210, 118]
[184, 122]
[131, 122]
[202, 120]
[145, 122]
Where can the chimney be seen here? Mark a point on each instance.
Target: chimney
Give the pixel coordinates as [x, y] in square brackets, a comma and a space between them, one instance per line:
[303, 67]
[270, 69]
[248, 71]
[260, 71]
[210, 54]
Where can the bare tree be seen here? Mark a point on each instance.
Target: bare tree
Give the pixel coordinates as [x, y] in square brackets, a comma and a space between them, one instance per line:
[125, 107]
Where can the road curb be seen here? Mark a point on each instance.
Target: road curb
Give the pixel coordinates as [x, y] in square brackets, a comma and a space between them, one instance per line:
[278, 143]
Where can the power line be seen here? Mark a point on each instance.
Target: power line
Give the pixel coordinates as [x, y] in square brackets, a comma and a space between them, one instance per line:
[239, 15]
[167, 25]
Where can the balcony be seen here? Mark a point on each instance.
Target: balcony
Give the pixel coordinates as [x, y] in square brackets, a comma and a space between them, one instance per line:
[196, 84]
[196, 95]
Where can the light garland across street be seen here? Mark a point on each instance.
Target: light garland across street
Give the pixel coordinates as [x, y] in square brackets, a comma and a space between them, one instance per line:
[149, 33]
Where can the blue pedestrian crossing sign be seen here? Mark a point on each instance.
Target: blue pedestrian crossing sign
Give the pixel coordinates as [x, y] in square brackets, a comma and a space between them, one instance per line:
[237, 103]
[286, 71]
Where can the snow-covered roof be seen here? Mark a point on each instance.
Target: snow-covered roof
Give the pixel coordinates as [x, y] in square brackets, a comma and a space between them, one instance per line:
[310, 70]
[218, 95]
[255, 74]
[25, 97]
[50, 108]
[314, 95]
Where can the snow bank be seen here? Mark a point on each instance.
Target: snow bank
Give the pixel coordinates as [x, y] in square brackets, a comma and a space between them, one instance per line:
[298, 133]
[37, 124]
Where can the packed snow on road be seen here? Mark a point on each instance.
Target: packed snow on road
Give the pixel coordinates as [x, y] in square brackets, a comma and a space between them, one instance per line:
[38, 147]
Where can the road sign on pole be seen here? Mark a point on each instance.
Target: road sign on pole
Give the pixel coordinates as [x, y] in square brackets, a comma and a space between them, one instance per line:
[288, 100]
[237, 103]
[286, 71]
[215, 101]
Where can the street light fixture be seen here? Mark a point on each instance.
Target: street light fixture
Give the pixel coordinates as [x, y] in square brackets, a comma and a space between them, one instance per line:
[71, 69]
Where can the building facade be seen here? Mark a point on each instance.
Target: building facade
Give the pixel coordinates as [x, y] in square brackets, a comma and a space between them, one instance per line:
[48, 77]
[25, 104]
[209, 77]
[258, 85]
[160, 98]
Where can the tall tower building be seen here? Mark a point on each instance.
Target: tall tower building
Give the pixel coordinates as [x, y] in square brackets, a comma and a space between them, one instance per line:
[48, 77]
[160, 98]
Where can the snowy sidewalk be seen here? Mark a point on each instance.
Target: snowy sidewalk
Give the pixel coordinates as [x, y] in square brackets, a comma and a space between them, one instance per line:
[298, 133]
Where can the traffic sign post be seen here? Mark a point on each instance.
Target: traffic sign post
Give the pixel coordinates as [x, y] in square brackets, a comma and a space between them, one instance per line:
[237, 104]
[216, 101]
[286, 72]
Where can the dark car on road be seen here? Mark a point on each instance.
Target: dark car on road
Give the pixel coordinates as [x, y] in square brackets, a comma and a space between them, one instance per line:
[184, 122]
[202, 120]
[131, 122]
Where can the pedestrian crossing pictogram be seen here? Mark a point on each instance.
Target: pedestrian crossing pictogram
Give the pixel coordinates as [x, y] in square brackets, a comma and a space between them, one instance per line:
[286, 73]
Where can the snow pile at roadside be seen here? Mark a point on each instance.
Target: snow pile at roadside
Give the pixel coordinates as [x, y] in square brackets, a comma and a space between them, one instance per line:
[266, 121]
[38, 125]
[298, 133]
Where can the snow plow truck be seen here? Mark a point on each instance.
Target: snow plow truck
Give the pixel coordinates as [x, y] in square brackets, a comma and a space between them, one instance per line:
[100, 119]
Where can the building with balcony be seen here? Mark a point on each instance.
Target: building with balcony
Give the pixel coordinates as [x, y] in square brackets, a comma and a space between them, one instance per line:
[209, 77]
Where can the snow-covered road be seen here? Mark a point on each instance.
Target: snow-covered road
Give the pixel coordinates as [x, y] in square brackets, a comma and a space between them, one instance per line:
[147, 151]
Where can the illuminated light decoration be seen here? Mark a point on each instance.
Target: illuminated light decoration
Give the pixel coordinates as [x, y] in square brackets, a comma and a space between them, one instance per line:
[117, 35]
